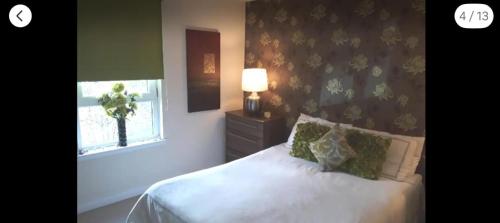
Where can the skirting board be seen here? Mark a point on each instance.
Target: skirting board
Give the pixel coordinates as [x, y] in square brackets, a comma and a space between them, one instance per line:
[111, 199]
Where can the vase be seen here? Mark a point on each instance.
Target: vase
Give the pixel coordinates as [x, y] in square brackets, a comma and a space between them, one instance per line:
[122, 132]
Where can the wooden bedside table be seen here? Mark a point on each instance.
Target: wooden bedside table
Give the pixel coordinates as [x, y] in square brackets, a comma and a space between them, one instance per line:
[246, 134]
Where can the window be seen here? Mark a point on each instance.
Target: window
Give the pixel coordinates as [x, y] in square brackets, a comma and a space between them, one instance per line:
[97, 131]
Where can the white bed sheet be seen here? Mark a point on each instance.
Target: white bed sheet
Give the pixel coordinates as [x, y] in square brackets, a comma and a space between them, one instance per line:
[272, 186]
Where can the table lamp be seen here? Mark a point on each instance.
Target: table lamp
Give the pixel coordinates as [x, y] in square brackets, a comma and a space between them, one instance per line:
[253, 80]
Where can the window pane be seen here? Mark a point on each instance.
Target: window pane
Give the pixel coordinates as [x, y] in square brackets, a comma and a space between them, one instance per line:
[96, 89]
[97, 129]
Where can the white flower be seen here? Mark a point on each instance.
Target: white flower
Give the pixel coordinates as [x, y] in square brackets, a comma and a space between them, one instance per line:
[281, 15]
[406, 122]
[250, 58]
[276, 100]
[376, 71]
[311, 106]
[365, 8]
[290, 66]
[411, 42]
[403, 100]
[265, 39]
[314, 61]
[353, 113]
[298, 38]
[278, 59]
[276, 43]
[318, 12]
[295, 82]
[328, 68]
[349, 93]
[261, 24]
[339, 37]
[383, 92]
[334, 86]
[274, 85]
[359, 62]
[391, 36]
[415, 65]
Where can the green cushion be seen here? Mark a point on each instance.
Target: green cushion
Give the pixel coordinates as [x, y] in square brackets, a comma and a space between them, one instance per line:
[370, 154]
[332, 149]
[307, 133]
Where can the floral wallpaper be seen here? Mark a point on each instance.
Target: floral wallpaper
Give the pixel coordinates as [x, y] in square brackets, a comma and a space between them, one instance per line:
[350, 61]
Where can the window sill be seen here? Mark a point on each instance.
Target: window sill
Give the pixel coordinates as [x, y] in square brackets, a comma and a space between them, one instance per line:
[114, 150]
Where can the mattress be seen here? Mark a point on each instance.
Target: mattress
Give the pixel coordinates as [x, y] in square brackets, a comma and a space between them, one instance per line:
[272, 186]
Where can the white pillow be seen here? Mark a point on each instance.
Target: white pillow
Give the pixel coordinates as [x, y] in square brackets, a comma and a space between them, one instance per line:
[401, 155]
[418, 152]
[303, 118]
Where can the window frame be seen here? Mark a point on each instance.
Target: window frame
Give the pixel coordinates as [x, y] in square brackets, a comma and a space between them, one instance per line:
[153, 95]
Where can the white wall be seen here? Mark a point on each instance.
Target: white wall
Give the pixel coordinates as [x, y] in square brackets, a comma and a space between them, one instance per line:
[193, 140]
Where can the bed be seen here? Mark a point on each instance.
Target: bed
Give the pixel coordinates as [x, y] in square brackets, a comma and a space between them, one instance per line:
[272, 186]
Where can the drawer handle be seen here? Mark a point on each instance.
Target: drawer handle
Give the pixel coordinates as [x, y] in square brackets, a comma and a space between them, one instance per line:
[241, 137]
[242, 123]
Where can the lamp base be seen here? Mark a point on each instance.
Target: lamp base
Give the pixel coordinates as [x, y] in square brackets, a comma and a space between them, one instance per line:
[251, 104]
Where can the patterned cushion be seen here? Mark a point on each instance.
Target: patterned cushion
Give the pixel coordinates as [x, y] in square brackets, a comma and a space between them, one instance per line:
[307, 133]
[332, 149]
[370, 154]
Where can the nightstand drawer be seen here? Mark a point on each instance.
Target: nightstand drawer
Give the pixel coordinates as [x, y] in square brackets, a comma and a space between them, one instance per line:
[244, 126]
[242, 144]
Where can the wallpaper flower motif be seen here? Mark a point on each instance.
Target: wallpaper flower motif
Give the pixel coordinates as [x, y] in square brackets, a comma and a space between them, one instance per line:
[276, 100]
[318, 12]
[281, 16]
[403, 100]
[383, 92]
[298, 38]
[390, 36]
[365, 8]
[265, 39]
[352, 61]
[334, 86]
[406, 122]
[411, 42]
[376, 71]
[353, 113]
[250, 58]
[415, 65]
[349, 93]
[355, 42]
[295, 82]
[339, 37]
[278, 59]
[314, 61]
[359, 62]
[311, 106]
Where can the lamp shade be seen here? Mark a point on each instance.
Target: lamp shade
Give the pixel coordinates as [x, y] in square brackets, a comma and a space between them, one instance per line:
[254, 80]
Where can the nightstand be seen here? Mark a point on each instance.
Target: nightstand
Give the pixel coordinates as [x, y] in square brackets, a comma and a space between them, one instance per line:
[247, 134]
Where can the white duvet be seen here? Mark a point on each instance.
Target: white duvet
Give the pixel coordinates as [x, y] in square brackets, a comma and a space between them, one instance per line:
[272, 186]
